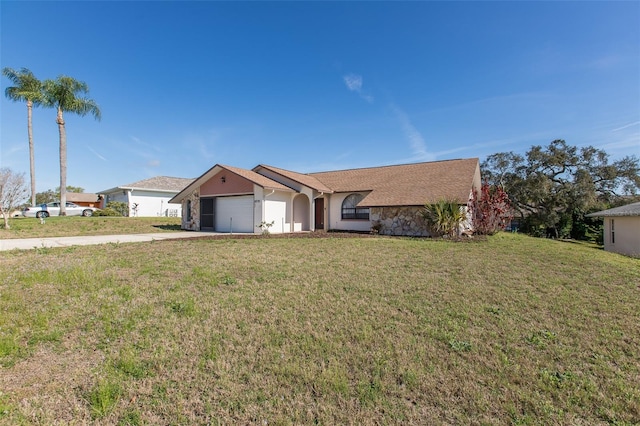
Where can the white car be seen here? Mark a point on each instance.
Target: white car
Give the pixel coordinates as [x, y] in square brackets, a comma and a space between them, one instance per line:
[53, 209]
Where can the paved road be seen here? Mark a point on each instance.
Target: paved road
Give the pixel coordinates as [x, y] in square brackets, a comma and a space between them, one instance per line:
[32, 243]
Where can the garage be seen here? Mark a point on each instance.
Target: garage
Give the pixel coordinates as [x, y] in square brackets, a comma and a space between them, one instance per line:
[234, 214]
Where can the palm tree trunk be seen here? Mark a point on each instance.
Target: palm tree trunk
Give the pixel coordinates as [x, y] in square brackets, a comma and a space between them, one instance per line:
[63, 163]
[32, 161]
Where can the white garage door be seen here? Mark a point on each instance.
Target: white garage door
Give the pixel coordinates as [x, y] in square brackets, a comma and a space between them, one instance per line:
[234, 214]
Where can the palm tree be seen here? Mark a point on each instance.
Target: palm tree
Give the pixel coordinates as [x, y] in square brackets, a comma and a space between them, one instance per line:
[27, 89]
[62, 94]
[444, 217]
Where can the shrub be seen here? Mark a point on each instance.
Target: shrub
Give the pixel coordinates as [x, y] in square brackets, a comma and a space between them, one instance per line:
[120, 207]
[444, 217]
[265, 227]
[491, 211]
[108, 211]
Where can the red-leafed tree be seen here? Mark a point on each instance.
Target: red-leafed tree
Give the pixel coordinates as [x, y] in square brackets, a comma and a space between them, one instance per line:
[491, 210]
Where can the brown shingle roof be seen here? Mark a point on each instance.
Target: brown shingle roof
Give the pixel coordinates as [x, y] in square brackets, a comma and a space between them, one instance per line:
[302, 178]
[256, 178]
[407, 184]
[401, 185]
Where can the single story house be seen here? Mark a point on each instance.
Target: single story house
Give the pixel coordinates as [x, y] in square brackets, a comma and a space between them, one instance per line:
[388, 198]
[86, 199]
[621, 229]
[149, 197]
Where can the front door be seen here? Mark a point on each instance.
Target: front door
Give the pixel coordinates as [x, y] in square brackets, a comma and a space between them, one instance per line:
[206, 214]
[319, 213]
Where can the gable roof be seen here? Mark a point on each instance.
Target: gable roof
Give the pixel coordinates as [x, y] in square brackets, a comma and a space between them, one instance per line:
[304, 179]
[632, 209]
[158, 184]
[407, 184]
[257, 178]
[250, 175]
[400, 185]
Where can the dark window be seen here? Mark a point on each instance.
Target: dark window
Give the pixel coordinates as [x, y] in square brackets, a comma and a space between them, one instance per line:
[613, 232]
[206, 214]
[350, 211]
[188, 209]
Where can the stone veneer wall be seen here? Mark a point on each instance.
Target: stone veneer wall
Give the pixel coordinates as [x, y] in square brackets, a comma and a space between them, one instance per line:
[404, 220]
[191, 223]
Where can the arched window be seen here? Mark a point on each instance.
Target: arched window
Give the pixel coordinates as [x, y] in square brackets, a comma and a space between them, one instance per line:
[350, 211]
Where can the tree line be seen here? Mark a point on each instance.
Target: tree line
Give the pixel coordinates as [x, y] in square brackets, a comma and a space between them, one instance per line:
[552, 188]
[64, 95]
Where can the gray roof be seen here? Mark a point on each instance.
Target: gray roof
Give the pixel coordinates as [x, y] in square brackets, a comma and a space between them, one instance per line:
[158, 183]
[632, 209]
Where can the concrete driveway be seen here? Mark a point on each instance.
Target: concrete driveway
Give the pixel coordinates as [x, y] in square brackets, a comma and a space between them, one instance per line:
[33, 243]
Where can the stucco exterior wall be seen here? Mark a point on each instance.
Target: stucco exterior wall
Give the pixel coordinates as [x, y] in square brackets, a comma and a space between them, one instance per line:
[283, 180]
[277, 209]
[627, 235]
[152, 204]
[335, 221]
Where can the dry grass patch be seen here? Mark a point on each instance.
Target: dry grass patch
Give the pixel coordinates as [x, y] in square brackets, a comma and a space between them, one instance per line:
[512, 330]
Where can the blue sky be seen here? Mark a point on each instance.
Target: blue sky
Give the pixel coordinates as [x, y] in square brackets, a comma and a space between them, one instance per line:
[312, 86]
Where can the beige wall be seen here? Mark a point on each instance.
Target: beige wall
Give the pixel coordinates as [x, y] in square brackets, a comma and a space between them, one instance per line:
[335, 220]
[627, 235]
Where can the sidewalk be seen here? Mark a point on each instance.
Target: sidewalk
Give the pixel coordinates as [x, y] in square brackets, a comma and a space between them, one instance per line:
[33, 243]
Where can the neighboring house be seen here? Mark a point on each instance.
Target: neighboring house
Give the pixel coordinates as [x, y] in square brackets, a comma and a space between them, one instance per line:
[391, 198]
[621, 229]
[86, 199]
[149, 197]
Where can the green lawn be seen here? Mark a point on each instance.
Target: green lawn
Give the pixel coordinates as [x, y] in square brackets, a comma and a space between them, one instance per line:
[71, 226]
[512, 330]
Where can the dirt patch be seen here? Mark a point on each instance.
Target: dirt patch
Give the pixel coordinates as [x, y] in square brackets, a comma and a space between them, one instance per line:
[47, 386]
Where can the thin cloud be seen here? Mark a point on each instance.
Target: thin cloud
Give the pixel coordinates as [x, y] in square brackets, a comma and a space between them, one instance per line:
[529, 97]
[96, 154]
[631, 142]
[354, 84]
[635, 123]
[13, 149]
[145, 144]
[606, 62]
[205, 152]
[202, 143]
[416, 141]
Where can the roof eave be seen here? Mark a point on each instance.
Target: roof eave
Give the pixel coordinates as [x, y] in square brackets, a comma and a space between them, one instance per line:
[275, 170]
[602, 214]
[180, 196]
